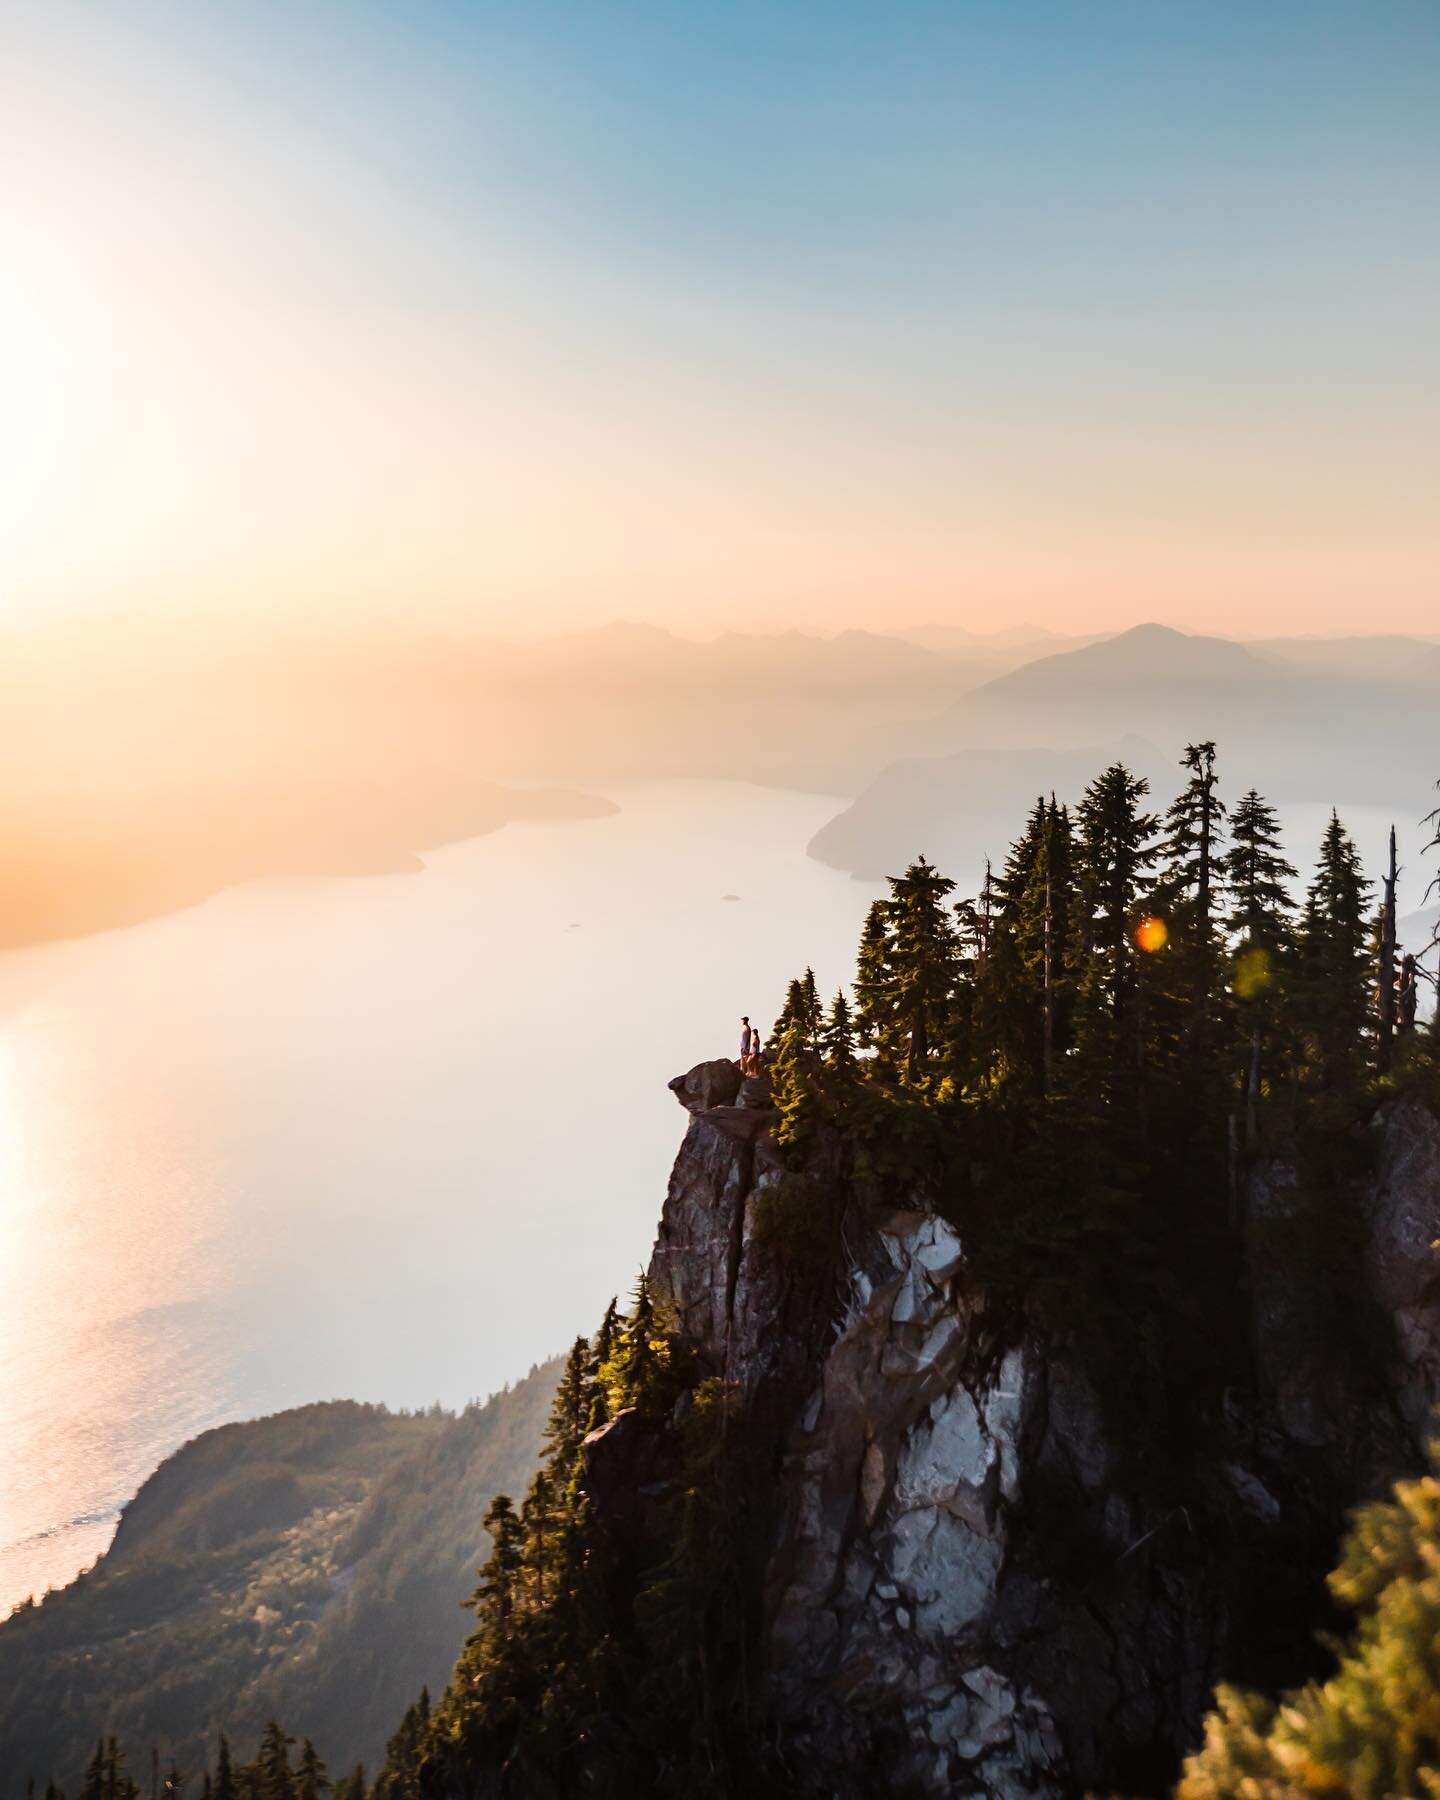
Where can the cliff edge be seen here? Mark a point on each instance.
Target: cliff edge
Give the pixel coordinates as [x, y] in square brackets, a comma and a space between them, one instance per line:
[969, 1578]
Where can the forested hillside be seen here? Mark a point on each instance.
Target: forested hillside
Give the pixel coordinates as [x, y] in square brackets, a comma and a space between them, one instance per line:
[310, 1564]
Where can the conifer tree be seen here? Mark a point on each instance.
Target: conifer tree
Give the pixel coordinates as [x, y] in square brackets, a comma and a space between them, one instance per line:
[1372, 1730]
[638, 1371]
[1114, 856]
[795, 1071]
[875, 993]
[311, 1779]
[1261, 912]
[106, 1777]
[272, 1764]
[569, 1421]
[1261, 923]
[814, 1013]
[1192, 849]
[400, 1778]
[497, 1598]
[802, 1010]
[224, 1772]
[1333, 980]
[602, 1348]
[924, 965]
[996, 1019]
[838, 1042]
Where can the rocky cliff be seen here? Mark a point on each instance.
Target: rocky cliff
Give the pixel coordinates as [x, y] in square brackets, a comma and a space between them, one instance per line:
[966, 1583]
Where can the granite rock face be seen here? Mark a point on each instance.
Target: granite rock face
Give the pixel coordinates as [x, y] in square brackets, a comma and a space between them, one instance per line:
[1403, 1262]
[960, 1588]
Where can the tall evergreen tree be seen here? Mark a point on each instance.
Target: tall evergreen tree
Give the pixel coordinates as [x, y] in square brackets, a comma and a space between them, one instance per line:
[638, 1372]
[1261, 922]
[1114, 856]
[875, 993]
[1261, 911]
[924, 965]
[602, 1348]
[497, 1599]
[225, 1788]
[1193, 869]
[1332, 1001]
[311, 1779]
[839, 1041]
[275, 1779]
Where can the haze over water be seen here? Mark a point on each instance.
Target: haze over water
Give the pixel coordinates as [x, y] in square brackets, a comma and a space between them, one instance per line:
[393, 1139]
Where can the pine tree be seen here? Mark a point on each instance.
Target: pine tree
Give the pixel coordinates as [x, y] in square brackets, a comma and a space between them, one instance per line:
[602, 1348]
[225, 1788]
[1372, 1730]
[272, 1764]
[924, 965]
[311, 1780]
[638, 1373]
[94, 1787]
[1261, 913]
[814, 1012]
[1332, 997]
[1114, 856]
[838, 1042]
[1193, 868]
[497, 1599]
[400, 1778]
[875, 993]
[802, 1010]
[1261, 922]
[994, 1034]
[795, 1077]
[569, 1421]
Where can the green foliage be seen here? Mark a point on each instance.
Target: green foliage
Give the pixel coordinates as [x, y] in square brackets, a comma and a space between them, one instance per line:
[790, 1217]
[1372, 1730]
[357, 1558]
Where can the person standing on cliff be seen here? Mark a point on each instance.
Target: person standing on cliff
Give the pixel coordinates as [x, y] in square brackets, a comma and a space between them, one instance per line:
[748, 1046]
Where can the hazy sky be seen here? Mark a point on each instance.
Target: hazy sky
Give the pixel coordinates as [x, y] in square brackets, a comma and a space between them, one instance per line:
[719, 313]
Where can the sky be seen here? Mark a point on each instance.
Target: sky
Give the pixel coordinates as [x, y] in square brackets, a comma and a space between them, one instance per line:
[532, 316]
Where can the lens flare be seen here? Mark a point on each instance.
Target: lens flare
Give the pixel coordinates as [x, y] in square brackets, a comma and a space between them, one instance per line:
[1252, 972]
[1152, 934]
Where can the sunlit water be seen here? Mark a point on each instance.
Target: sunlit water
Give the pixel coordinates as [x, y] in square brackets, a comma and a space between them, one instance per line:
[395, 1138]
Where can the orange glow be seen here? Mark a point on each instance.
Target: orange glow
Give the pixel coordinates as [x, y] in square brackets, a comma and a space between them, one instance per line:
[1252, 972]
[1152, 934]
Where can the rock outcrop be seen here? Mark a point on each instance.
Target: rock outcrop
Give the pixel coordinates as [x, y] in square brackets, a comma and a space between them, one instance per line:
[964, 1589]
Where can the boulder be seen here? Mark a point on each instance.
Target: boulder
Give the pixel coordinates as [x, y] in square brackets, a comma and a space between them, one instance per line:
[708, 1084]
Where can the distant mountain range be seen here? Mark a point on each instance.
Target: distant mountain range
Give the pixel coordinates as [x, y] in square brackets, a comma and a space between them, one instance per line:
[142, 769]
[1306, 722]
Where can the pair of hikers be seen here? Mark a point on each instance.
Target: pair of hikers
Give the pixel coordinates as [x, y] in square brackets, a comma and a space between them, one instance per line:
[749, 1048]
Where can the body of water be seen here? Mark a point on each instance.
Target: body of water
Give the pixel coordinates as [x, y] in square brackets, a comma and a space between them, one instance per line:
[392, 1138]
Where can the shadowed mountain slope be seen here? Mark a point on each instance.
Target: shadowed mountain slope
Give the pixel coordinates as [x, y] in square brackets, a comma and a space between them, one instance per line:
[310, 1565]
